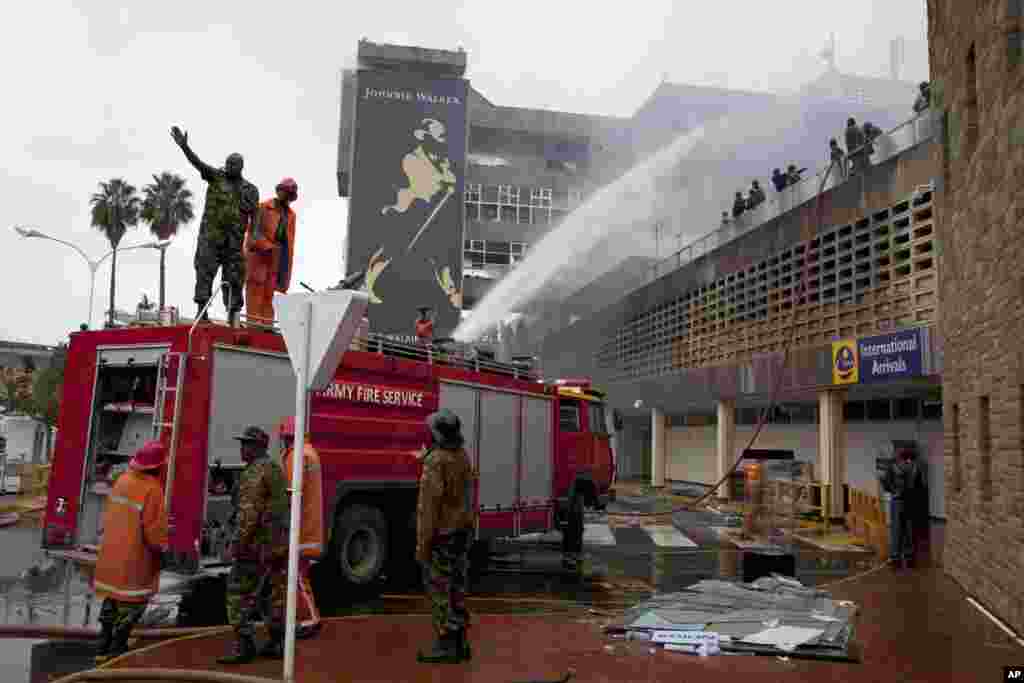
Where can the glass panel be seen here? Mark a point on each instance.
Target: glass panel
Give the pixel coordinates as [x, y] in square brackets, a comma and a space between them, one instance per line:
[569, 416]
[596, 411]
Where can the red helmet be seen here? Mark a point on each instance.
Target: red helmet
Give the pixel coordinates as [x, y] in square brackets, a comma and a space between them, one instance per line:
[287, 429]
[291, 187]
[151, 456]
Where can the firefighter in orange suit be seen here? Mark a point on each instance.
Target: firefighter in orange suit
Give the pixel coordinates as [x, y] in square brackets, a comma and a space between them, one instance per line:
[311, 532]
[270, 252]
[135, 541]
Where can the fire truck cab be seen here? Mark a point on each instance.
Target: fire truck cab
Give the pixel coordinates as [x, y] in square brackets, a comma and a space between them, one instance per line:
[540, 448]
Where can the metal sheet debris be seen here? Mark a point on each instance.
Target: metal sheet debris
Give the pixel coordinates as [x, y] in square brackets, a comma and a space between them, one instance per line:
[786, 638]
[772, 616]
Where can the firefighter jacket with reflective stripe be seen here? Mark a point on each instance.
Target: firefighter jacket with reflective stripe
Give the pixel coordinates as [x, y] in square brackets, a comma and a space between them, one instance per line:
[134, 537]
[270, 246]
[311, 533]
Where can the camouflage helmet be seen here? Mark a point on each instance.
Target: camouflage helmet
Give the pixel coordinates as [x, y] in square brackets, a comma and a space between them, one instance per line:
[254, 435]
[446, 428]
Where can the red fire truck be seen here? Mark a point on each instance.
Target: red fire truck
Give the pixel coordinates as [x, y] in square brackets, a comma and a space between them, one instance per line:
[542, 449]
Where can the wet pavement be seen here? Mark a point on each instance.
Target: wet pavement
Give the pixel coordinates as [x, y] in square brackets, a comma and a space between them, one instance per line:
[624, 564]
[38, 599]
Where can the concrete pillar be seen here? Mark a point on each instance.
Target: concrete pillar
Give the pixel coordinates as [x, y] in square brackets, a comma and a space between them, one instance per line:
[832, 447]
[726, 444]
[658, 450]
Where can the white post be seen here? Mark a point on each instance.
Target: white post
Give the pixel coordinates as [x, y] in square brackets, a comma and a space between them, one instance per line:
[92, 292]
[657, 448]
[301, 384]
[726, 444]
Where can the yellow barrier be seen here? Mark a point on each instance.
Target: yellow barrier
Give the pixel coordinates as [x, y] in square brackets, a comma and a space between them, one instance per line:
[867, 519]
[803, 498]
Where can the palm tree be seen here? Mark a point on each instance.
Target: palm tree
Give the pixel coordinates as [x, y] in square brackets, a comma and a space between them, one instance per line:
[115, 208]
[166, 207]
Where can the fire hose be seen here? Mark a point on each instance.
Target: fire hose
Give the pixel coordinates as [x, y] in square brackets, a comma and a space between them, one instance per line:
[163, 675]
[34, 631]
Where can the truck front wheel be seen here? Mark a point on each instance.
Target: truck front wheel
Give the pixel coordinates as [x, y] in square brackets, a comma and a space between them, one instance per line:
[362, 544]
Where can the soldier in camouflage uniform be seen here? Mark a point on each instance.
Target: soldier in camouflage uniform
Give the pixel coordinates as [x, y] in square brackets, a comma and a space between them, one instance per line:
[445, 520]
[231, 203]
[259, 550]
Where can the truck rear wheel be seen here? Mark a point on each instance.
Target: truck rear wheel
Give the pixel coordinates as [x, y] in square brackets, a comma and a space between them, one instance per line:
[361, 551]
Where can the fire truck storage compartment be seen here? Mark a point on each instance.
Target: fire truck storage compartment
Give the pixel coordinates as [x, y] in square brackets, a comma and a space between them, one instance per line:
[123, 406]
[509, 438]
[248, 387]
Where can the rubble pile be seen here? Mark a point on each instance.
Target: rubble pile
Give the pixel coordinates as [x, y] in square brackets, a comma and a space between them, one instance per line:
[774, 615]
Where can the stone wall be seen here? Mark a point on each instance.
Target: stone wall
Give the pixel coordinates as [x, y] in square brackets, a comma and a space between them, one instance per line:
[979, 212]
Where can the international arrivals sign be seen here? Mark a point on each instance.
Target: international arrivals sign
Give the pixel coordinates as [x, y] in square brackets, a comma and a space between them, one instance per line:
[898, 355]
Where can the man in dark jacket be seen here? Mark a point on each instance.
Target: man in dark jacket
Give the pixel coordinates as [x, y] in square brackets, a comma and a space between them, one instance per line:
[904, 481]
[793, 174]
[838, 159]
[756, 195]
[739, 205]
[445, 519]
[924, 97]
[778, 180]
[855, 147]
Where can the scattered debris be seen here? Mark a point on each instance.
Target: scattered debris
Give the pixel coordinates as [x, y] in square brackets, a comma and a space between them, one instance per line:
[774, 615]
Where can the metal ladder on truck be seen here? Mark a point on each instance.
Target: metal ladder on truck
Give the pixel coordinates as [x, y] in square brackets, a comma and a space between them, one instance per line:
[160, 424]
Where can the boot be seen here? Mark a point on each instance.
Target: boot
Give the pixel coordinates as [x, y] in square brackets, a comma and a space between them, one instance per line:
[202, 315]
[233, 319]
[106, 642]
[308, 630]
[274, 648]
[119, 643]
[243, 651]
[444, 651]
[462, 646]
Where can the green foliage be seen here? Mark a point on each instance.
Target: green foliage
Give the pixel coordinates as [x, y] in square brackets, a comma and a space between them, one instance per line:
[46, 394]
[16, 389]
[167, 205]
[953, 130]
[938, 93]
[115, 208]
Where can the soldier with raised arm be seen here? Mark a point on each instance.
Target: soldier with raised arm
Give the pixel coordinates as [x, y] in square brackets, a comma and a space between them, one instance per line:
[231, 203]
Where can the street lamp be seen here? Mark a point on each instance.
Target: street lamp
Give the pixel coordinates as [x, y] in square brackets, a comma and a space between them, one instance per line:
[94, 266]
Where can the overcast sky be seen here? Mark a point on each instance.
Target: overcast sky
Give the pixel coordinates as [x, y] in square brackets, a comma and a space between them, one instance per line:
[93, 93]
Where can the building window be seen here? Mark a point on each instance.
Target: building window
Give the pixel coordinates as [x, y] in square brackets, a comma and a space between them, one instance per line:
[517, 252]
[541, 197]
[971, 115]
[505, 194]
[985, 447]
[473, 192]
[480, 254]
